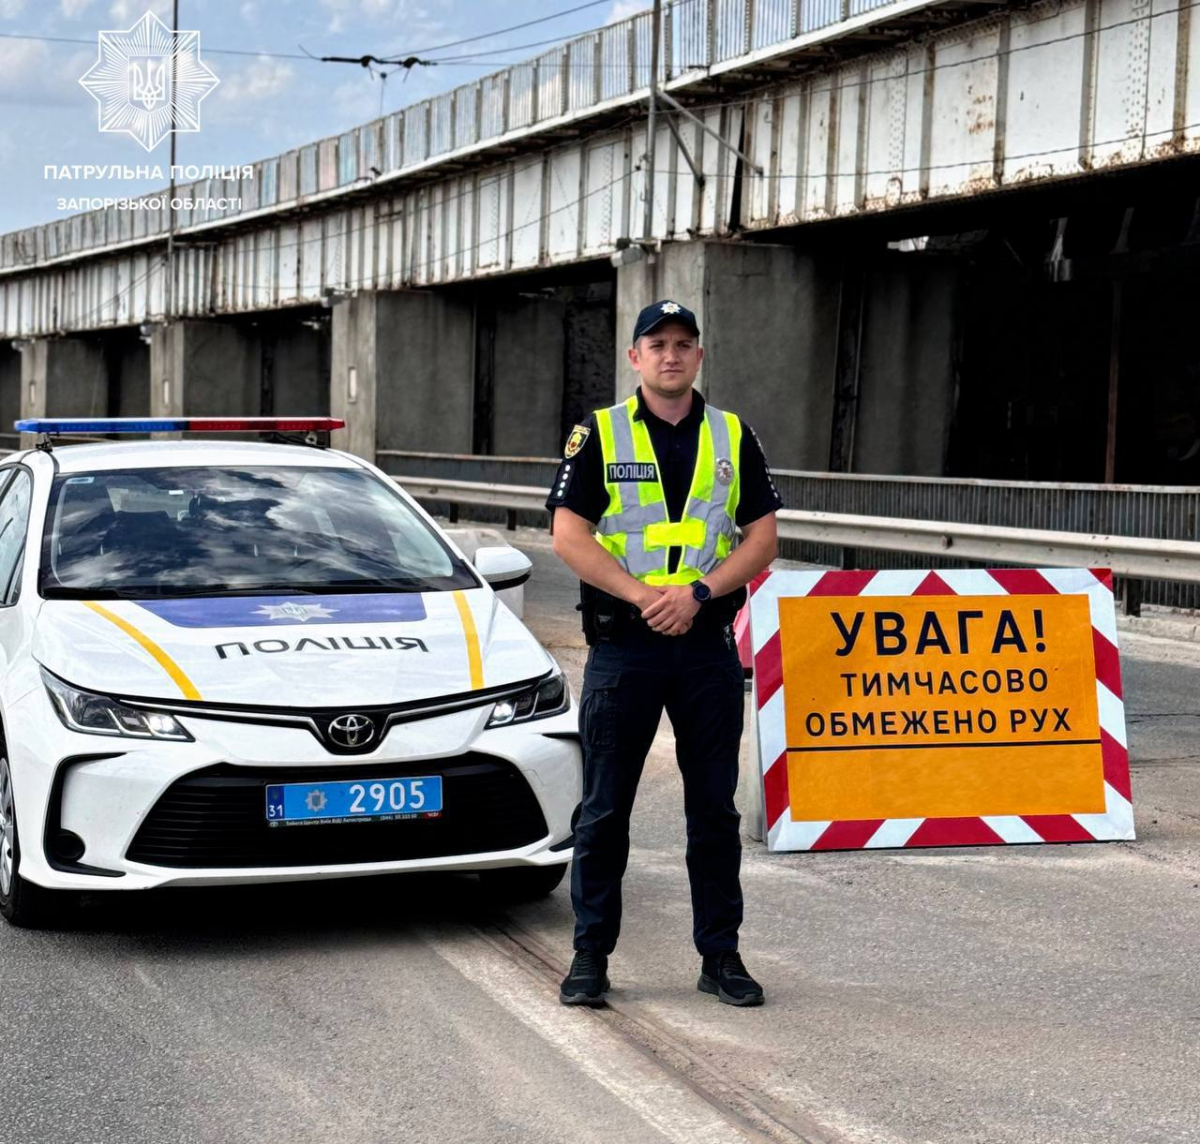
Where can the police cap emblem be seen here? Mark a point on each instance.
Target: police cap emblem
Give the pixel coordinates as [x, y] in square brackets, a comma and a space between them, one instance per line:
[724, 470]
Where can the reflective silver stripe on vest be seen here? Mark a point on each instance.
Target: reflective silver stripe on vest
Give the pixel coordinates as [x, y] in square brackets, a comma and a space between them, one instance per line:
[634, 516]
[712, 512]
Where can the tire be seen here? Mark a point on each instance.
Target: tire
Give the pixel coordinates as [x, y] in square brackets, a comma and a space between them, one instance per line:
[522, 883]
[21, 902]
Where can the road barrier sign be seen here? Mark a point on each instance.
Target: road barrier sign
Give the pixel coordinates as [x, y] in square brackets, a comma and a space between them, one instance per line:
[949, 708]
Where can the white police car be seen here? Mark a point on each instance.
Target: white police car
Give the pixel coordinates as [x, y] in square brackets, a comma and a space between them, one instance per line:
[231, 662]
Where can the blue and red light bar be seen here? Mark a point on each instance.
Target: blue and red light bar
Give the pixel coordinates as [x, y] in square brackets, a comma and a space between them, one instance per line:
[54, 425]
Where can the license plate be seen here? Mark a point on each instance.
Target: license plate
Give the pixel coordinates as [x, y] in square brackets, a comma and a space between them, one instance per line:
[374, 800]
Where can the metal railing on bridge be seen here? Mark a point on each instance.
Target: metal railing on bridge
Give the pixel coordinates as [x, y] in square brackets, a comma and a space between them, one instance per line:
[606, 66]
[1148, 534]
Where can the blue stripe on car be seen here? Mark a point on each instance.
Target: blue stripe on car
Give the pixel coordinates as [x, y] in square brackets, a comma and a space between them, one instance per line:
[278, 611]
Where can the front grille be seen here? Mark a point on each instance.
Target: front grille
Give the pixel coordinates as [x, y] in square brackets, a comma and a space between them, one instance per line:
[216, 817]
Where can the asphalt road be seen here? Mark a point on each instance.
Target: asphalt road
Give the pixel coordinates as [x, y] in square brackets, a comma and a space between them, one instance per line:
[991, 995]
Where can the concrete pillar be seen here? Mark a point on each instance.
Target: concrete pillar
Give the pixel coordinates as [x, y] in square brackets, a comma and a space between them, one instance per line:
[272, 365]
[63, 377]
[402, 371]
[10, 394]
[527, 384]
[201, 368]
[768, 321]
[590, 336]
[907, 381]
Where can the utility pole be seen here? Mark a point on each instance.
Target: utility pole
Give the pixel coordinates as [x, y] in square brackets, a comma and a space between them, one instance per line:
[655, 50]
[169, 293]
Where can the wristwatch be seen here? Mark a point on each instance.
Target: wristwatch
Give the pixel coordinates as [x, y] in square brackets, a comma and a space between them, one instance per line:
[701, 592]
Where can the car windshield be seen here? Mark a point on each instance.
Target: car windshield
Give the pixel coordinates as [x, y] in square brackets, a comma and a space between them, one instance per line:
[209, 531]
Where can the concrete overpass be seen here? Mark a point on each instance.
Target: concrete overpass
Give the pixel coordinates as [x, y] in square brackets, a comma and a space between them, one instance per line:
[355, 271]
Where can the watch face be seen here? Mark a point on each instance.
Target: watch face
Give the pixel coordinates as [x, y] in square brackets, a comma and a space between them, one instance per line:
[701, 592]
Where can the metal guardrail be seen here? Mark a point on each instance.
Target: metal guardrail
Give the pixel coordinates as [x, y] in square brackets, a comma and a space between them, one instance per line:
[605, 67]
[1134, 557]
[1158, 512]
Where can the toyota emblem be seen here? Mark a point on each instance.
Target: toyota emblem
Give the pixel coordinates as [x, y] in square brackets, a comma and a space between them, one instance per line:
[352, 730]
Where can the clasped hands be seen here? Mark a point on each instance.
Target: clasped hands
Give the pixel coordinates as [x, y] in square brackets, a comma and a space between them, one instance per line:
[668, 609]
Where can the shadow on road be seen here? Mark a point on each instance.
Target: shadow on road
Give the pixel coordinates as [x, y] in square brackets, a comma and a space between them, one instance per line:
[295, 915]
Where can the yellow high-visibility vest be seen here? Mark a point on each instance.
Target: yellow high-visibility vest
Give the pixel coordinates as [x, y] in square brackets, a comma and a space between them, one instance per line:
[636, 528]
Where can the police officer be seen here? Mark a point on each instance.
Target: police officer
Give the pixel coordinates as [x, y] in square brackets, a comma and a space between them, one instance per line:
[647, 503]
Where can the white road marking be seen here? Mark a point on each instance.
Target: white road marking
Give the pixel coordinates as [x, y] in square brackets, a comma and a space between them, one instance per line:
[671, 1108]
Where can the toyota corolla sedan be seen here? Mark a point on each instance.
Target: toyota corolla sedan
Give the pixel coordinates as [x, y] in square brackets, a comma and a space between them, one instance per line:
[231, 662]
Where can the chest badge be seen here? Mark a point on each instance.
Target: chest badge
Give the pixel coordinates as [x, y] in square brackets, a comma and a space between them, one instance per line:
[724, 470]
[576, 440]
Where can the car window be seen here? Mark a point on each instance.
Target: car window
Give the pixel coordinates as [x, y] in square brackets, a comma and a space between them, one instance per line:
[14, 523]
[198, 531]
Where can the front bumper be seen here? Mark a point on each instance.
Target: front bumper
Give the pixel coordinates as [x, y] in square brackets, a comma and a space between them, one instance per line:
[104, 790]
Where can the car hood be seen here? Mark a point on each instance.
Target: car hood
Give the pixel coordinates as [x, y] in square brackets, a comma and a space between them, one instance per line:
[352, 650]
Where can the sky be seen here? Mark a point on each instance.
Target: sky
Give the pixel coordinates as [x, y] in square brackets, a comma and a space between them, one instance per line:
[264, 105]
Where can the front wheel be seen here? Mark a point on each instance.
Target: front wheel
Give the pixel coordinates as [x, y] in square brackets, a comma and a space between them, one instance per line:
[522, 883]
[21, 902]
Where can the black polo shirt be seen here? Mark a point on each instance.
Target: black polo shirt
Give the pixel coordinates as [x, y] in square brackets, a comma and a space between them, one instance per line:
[580, 483]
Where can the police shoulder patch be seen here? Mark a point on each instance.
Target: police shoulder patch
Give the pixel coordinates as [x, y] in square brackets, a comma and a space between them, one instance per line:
[576, 440]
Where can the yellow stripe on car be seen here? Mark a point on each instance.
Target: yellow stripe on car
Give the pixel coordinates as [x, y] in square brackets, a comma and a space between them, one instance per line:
[474, 658]
[164, 661]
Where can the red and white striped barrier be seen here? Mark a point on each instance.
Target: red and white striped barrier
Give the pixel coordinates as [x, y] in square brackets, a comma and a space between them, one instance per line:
[785, 831]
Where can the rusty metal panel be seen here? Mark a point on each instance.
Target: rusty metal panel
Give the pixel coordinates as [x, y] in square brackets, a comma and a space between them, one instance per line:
[816, 14]
[551, 93]
[310, 272]
[397, 224]
[437, 233]
[771, 22]
[602, 219]
[686, 196]
[466, 115]
[491, 213]
[522, 95]
[327, 164]
[308, 184]
[760, 142]
[566, 206]
[287, 240]
[1048, 73]
[493, 105]
[416, 134]
[583, 76]
[527, 209]
[963, 129]
[616, 55]
[441, 130]
[289, 177]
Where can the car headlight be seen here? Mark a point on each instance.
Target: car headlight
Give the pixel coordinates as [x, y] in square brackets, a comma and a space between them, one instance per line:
[548, 696]
[98, 715]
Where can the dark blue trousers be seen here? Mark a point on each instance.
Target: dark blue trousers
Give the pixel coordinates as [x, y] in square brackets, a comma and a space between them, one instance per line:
[697, 679]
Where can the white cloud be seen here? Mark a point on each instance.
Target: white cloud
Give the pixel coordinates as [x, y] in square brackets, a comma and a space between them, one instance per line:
[72, 8]
[11, 9]
[263, 79]
[623, 9]
[30, 73]
[126, 12]
[357, 100]
[349, 15]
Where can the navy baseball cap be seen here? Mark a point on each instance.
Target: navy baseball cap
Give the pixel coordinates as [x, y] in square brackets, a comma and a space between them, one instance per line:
[656, 313]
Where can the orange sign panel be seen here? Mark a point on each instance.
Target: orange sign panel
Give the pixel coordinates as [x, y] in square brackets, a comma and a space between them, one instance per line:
[940, 706]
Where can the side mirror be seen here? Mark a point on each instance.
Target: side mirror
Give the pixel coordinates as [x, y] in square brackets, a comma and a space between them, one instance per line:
[506, 570]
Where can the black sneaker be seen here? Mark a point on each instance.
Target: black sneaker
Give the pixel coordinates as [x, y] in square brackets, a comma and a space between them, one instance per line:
[587, 981]
[726, 976]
